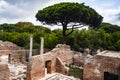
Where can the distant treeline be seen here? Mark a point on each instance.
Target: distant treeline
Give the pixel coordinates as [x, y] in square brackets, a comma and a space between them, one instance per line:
[106, 37]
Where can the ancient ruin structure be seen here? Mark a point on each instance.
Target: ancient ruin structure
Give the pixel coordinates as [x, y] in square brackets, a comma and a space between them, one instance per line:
[53, 61]
[12, 52]
[12, 59]
[103, 66]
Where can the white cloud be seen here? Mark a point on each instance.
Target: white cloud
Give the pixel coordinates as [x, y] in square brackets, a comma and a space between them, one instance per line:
[3, 5]
[10, 13]
[110, 15]
[25, 10]
[2, 2]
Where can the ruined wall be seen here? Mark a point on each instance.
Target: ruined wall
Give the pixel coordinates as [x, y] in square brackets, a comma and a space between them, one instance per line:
[94, 69]
[64, 53]
[60, 67]
[36, 67]
[52, 58]
[78, 59]
[4, 72]
[16, 54]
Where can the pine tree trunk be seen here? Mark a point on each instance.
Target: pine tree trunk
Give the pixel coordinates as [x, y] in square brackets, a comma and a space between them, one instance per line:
[64, 33]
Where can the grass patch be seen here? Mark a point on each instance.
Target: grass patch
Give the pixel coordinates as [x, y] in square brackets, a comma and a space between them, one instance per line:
[76, 72]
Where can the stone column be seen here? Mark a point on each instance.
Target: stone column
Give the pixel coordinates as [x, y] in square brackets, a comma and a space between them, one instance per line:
[42, 45]
[31, 46]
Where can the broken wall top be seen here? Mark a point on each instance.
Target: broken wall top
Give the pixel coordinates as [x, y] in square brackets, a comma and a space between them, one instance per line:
[112, 54]
[8, 48]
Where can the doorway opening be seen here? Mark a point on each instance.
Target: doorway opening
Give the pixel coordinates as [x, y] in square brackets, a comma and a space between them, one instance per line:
[110, 76]
[48, 66]
[9, 58]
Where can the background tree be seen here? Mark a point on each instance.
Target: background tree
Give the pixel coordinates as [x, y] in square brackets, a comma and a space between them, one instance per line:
[109, 28]
[8, 27]
[78, 40]
[69, 15]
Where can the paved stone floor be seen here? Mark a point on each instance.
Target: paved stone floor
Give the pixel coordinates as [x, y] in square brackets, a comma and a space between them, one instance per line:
[57, 76]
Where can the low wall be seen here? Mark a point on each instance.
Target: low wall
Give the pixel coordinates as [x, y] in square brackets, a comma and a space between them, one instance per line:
[4, 72]
[94, 70]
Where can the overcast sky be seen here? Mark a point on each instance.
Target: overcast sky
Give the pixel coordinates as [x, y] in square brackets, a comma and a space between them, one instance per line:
[13, 11]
